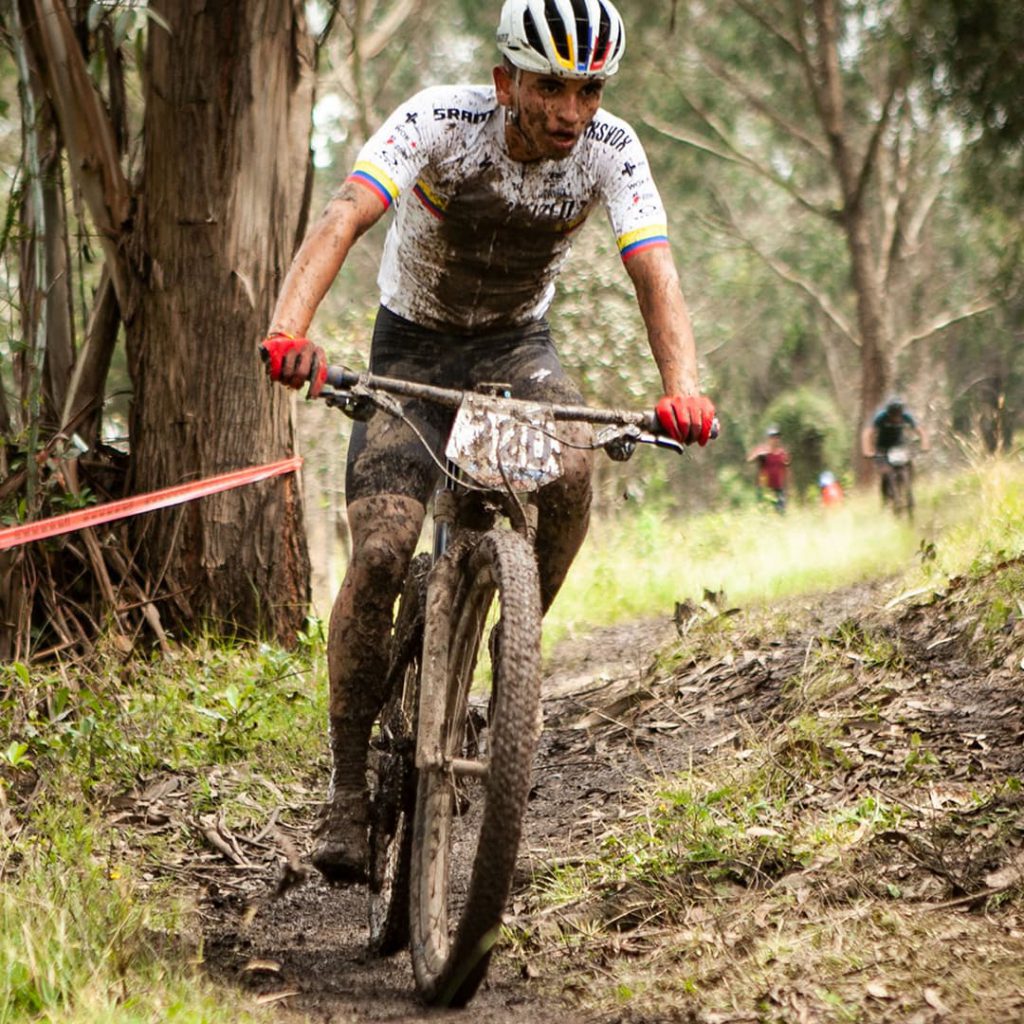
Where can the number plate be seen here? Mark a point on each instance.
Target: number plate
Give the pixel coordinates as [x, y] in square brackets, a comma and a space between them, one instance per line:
[505, 443]
[898, 456]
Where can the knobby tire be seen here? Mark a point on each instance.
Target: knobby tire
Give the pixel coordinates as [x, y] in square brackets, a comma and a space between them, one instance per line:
[901, 495]
[455, 924]
[393, 781]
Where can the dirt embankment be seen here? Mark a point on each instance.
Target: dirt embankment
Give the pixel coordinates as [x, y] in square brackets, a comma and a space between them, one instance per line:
[924, 682]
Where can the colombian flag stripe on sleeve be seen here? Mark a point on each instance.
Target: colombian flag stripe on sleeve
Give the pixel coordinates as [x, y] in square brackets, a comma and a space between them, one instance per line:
[430, 201]
[376, 180]
[643, 238]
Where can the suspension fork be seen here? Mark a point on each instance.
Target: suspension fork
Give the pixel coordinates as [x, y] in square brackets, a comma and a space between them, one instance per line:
[445, 511]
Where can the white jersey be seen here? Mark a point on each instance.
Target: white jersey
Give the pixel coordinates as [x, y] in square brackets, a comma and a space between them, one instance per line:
[478, 238]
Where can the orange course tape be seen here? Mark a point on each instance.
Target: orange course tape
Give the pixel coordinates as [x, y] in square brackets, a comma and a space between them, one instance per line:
[95, 515]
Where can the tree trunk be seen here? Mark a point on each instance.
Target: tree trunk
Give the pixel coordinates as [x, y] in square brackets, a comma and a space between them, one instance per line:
[874, 371]
[224, 196]
[826, 79]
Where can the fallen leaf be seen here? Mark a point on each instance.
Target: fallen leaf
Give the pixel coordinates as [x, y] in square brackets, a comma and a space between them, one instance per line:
[275, 997]
[1007, 875]
[934, 1000]
[877, 990]
[270, 966]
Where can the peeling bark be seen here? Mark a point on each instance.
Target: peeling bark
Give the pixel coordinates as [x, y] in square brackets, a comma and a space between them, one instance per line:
[229, 94]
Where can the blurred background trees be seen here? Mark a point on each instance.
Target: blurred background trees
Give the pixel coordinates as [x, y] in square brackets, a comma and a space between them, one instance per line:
[842, 180]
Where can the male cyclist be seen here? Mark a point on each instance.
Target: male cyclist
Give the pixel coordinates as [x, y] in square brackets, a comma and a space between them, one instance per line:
[890, 427]
[489, 186]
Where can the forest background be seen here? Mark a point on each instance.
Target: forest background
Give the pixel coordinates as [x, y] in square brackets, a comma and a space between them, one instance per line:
[842, 181]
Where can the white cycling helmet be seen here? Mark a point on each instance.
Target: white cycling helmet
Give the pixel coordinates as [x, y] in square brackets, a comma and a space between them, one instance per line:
[568, 38]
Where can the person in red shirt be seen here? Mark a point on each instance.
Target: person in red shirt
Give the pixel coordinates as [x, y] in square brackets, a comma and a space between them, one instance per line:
[772, 461]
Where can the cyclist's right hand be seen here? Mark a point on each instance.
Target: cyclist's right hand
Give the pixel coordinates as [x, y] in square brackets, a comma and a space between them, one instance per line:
[294, 362]
[687, 419]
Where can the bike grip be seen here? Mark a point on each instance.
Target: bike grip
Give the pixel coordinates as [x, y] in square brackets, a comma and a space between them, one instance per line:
[341, 377]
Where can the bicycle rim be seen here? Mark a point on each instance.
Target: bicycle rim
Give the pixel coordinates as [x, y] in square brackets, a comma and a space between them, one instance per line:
[393, 793]
[468, 819]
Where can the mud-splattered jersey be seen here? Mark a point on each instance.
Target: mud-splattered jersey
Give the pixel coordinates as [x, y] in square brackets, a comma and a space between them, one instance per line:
[478, 238]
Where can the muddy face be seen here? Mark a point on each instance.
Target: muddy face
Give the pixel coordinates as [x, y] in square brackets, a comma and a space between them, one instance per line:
[547, 114]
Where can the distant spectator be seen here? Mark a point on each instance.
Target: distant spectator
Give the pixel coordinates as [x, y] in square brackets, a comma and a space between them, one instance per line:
[831, 490]
[772, 461]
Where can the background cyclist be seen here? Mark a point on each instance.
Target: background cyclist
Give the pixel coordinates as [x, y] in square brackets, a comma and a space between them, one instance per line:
[891, 427]
[488, 185]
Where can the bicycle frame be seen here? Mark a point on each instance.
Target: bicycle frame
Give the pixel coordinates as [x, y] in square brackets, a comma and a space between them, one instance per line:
[500, 451]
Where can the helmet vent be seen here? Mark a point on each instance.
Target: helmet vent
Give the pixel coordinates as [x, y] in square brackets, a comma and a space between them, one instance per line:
[532, 35]
[559, 32]
[603, 42]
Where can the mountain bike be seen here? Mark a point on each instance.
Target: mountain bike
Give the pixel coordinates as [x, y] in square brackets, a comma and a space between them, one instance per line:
[453, 750]
[896, 466]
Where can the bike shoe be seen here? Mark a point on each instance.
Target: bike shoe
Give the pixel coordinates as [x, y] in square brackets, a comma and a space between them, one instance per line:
[341, 850]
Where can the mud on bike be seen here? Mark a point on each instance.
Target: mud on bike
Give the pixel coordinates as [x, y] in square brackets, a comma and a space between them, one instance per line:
[452, 752]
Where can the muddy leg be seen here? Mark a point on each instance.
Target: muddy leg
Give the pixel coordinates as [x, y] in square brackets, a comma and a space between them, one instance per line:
[385, 529]
[564, 515]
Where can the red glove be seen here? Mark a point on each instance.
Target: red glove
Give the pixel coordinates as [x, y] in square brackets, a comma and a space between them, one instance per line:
[294, 361]
[686, 418]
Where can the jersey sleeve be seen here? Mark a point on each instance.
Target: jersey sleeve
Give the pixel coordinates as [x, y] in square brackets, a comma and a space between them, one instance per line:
[631, 197]
[392, 158]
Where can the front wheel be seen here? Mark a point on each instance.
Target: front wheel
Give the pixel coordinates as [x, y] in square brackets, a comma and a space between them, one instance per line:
[393, 792]
[901, 494]
[474, 758]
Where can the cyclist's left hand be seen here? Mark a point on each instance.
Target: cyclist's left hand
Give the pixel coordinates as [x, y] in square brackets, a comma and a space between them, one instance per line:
[686, 418]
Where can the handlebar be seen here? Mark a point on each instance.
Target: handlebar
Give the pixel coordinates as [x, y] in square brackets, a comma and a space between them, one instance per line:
[343, 379]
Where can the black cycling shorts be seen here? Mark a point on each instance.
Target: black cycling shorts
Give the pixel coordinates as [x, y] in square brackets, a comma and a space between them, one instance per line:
[385, 455]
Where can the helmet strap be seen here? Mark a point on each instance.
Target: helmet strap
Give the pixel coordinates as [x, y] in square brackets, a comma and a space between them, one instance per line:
[512, 112]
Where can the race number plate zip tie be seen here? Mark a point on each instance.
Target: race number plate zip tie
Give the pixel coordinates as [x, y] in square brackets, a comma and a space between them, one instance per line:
[96, 515]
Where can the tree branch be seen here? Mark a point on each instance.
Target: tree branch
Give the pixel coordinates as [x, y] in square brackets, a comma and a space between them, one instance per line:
[86, 129]
[942, 321]
[772, 25]
[788, 274]
[871, 154]
[733, 154]
[374, 42]
[794, 131]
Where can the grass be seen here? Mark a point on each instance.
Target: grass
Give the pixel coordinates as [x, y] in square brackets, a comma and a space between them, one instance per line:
[786, 878]
[641, 566]
[85, 938]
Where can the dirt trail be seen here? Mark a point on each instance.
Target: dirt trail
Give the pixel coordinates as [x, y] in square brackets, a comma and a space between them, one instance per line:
[610, 721]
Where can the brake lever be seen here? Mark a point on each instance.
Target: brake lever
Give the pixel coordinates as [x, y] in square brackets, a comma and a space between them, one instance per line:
[357, 406]
[620, 442]
[662, 441]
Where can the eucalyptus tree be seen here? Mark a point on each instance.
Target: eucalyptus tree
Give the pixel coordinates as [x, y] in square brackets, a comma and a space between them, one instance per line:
[972, 52]
[195, 217]
[812, 125]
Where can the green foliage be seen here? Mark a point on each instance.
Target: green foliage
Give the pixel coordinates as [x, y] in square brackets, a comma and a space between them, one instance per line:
[972, 48]
[102, 945]
[814, 432]
[636, 565]
[81, 942]
[218, 705]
